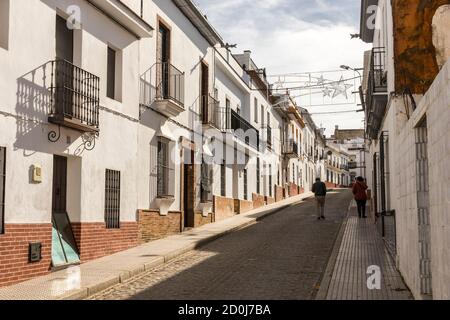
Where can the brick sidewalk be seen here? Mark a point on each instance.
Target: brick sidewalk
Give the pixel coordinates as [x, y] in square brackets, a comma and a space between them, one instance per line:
[360, 248]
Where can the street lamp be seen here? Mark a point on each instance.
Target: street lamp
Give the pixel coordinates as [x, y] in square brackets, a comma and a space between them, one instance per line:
[352, 69]
[348, 68]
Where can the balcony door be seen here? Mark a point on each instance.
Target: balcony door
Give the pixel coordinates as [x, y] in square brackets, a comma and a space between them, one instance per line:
[163, 60]
[204, 92]
[64, 247]
[64, 72]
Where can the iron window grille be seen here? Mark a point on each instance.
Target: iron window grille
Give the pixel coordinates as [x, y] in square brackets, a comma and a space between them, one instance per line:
[206, 183]
[112, 199]
[245, 184]
[165, 173]
[258, 176]
[2, 188]
[75, 94]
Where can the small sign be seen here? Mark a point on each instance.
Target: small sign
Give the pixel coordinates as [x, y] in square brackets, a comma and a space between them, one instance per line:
[35, 252]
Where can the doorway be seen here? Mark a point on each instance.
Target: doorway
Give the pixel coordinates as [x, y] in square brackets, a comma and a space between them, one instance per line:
[188, 189]
[64, 247]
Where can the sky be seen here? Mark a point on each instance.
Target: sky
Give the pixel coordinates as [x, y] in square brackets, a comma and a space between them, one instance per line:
[296, 36]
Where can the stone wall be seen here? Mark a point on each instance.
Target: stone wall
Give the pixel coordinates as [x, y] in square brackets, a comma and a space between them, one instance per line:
[153, 226]
[223, 208]
[95, 241]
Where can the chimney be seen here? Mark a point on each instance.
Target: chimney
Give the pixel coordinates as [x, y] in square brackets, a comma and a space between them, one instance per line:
[247, 55]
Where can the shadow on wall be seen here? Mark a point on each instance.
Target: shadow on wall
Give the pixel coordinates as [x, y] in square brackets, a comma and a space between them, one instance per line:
[33, 106]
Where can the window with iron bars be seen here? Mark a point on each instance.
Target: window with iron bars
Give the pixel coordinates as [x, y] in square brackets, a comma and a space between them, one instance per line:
[2, 188]
[206, 183]
[270, 181]
[245, 184]
[258, 176]
[112, 199]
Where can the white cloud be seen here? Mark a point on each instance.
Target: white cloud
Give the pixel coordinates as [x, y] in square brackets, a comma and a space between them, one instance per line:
[288, 36]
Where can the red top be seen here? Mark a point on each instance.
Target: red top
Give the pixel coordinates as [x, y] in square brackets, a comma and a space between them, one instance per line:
[359, 190]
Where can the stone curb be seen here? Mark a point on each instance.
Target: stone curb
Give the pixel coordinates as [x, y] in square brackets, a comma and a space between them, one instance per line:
[126, 275]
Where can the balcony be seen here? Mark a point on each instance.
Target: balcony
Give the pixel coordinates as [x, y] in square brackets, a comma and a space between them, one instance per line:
[74, 97]
[243, 130]
[377, 92]
[290, 149]
[211, 114]
[162, 88]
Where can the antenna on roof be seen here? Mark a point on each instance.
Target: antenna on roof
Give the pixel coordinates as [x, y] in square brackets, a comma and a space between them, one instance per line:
[228, 46]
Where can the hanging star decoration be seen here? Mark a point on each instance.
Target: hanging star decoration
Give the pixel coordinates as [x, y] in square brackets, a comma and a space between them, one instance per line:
[341, 88]
[327, 92]
[321, 80]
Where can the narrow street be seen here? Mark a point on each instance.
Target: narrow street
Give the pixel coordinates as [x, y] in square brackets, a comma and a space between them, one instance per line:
[281, 257]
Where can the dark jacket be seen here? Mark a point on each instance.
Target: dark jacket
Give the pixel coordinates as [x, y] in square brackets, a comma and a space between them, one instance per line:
[319, 189]
[359, 190]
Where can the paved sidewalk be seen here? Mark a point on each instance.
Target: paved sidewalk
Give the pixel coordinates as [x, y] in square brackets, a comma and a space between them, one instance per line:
[361, 247]
[83, 281]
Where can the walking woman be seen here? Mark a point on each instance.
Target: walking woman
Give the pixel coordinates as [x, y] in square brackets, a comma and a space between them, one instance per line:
[359, 191]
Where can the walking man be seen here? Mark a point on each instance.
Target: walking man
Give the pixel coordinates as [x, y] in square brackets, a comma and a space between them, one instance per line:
[359, 191]
[320, 191]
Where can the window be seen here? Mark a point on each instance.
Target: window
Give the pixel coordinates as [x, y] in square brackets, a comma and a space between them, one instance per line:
[223, 179]
[114, 74]
[112, 199]
[205, 188]
[163, 169]
[245, 184]
[258, 176]
[2, 188]
[111, 80]
[262, 115]
[256, 110]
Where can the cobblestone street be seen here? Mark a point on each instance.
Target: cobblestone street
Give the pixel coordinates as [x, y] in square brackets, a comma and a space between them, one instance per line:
[281, 257]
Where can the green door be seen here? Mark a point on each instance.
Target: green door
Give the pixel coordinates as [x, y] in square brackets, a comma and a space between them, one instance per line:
[64, 247]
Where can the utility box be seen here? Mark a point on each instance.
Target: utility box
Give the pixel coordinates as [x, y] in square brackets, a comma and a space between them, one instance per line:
[35, 252]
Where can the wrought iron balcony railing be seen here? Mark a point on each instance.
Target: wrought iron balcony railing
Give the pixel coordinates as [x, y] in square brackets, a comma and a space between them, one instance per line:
[290, 147]
[211, 113]
[162, 82]
[242, 128]
[75, 97]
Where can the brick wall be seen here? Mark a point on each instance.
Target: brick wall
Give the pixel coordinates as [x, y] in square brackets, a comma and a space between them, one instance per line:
[14, 246]
[95, 241]
[223, 208]
[279, 193]
[153, 226]
[243, 206]
[330, 185]
[258, 201]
